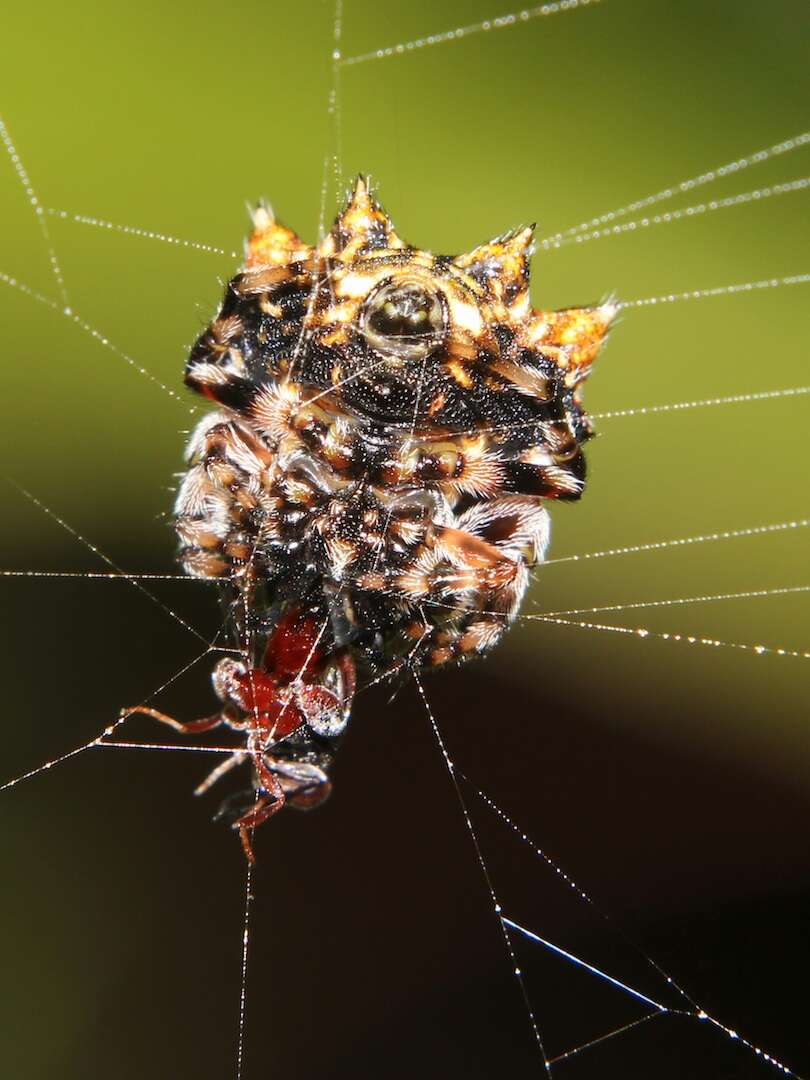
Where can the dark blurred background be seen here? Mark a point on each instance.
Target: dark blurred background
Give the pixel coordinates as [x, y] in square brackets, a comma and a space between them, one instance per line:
[669, 781]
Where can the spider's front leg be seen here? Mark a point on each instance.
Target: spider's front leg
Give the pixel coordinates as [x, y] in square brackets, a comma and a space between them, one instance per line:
[480, 575]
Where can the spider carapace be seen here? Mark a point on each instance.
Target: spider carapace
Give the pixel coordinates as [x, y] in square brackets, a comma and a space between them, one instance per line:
[390, 424]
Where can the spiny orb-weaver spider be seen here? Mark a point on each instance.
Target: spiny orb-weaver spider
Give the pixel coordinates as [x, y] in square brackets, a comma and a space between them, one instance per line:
[372, 485]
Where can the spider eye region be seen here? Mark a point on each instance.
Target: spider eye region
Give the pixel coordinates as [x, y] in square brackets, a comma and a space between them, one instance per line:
[404, 320]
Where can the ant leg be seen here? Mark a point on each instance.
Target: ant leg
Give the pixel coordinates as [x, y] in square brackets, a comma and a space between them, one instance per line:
[189, 728]
[220, 770]
[308, 798]
[264, 808]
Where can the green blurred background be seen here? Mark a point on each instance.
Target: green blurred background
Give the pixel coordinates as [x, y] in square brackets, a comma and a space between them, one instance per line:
[672, 779]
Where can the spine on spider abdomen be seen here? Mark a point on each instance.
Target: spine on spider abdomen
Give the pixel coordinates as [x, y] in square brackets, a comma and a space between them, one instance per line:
[392, 424]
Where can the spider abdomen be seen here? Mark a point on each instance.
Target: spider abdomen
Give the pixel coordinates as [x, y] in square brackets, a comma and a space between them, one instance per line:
[392, 423]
